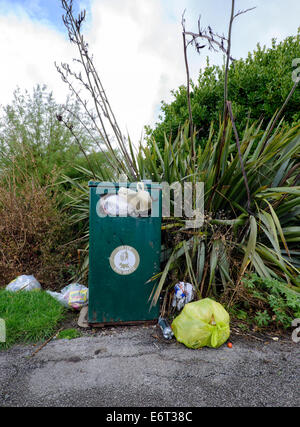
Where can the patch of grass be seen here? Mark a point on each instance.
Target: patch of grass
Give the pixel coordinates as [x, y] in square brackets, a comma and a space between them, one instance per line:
[68, 334]
[29, 316]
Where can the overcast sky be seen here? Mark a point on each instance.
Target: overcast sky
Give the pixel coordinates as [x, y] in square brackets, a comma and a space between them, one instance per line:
[137, 45]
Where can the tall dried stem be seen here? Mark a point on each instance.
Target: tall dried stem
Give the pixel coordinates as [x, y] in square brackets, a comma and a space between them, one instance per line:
[102, 116]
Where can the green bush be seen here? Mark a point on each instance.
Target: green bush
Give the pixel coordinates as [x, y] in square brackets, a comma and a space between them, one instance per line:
[33, 143]
[35, 151]
[34, 235]
[258, 86]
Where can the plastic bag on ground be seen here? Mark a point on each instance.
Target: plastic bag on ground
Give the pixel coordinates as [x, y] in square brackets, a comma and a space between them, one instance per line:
[202, 323]
[60, 298]
[184, 293]
[23, 283]
[72, 296]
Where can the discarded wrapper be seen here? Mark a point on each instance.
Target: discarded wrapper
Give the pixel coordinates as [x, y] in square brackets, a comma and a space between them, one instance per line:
[72, 296]
[184, 293]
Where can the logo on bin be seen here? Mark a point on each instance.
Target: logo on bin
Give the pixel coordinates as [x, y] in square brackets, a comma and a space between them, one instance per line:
[124, 260]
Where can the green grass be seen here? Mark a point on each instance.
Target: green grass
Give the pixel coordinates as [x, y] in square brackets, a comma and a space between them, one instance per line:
[68, 334]
[29, 316]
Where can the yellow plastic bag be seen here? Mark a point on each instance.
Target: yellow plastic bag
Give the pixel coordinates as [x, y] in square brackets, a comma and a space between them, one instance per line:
[202, 323]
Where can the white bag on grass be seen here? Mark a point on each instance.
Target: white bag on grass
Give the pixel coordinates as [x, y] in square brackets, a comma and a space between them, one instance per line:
[23, 283]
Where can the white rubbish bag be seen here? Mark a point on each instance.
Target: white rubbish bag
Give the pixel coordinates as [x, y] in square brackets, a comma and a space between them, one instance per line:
[115, 205]
[140, 200]
[23, 283]
[127, 202]
[72, 296]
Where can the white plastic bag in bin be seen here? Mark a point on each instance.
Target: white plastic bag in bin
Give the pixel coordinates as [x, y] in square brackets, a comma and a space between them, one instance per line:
[116, 205]
[127, 202]
[23, 283]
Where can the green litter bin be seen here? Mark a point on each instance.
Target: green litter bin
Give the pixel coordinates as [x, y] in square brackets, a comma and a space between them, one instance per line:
[124, 253]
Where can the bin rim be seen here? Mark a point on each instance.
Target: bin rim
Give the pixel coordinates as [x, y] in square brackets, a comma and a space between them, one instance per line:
[152, 185]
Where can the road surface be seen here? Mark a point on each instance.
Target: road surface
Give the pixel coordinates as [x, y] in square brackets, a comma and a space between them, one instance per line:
[130, 367]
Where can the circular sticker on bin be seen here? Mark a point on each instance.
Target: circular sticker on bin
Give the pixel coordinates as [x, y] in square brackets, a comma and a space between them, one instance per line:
[124, 260]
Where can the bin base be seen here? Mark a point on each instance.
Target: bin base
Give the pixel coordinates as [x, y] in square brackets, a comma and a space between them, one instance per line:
[83, 321]
[126, 323]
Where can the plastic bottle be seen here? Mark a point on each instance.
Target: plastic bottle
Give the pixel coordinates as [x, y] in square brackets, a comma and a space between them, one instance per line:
[165, 328]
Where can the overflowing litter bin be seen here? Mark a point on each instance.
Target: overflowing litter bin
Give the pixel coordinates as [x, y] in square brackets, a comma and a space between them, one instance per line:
[124, 252]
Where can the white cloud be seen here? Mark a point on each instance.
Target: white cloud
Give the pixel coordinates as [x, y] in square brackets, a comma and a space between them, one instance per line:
[137, 50]
[28, 50]
[137, 46]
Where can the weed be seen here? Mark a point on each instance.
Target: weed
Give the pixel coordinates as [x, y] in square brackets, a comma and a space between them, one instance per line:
[68, 334]
[268, 302]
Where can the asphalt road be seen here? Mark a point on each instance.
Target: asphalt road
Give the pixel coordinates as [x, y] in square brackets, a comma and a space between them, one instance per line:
[131, 367]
